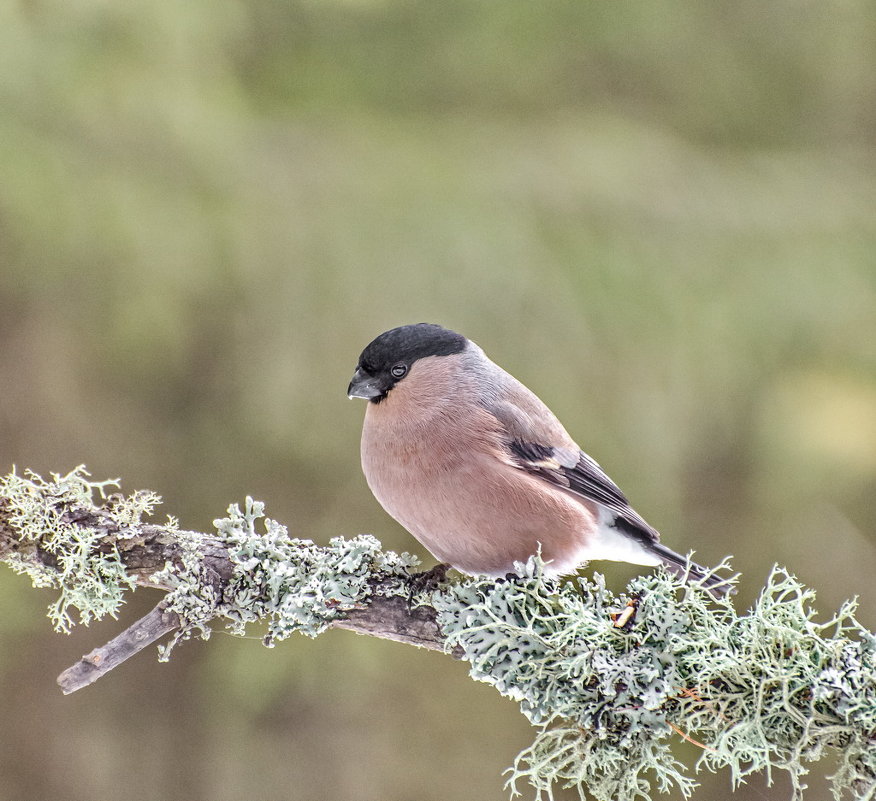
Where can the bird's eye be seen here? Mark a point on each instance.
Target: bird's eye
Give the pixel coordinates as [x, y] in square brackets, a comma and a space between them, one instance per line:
[398, 370]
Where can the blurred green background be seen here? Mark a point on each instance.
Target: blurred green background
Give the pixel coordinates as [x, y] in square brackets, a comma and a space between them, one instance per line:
[662, 217]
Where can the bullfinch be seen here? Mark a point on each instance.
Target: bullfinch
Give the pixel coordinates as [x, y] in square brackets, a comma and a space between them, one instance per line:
[481, 472]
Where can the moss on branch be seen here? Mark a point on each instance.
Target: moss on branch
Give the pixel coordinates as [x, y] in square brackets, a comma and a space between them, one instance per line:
[765, 690]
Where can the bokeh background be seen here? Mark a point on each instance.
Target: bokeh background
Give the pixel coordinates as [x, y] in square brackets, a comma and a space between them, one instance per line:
[660, 217]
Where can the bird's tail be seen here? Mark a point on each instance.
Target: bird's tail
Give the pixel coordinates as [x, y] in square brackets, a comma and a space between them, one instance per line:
[684, 568]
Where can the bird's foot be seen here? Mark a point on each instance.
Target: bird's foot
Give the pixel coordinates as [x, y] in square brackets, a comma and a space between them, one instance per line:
[428, 580]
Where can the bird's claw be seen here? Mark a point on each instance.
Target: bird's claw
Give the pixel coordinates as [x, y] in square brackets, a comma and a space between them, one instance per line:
[428, 580]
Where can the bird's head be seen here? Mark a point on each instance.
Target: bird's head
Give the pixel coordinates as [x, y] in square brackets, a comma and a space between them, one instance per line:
[388, 358]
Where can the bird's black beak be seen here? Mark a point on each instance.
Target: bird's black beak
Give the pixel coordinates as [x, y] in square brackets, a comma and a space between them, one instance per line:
[364, 386]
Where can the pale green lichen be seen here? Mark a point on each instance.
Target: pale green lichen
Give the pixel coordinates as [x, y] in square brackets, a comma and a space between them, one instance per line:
[771, 689]
[292, 584]
[77, 559]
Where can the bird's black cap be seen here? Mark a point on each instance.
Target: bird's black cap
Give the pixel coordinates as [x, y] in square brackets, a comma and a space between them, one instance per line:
[387, 358]
[407, 343]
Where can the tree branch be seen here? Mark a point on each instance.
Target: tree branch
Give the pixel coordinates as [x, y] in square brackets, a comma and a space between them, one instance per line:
[387, 618]
[606, 680]
[145, 549]
[132, 640]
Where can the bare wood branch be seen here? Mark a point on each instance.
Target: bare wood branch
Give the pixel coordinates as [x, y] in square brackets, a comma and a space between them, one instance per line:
[132, 640]
[393, 619]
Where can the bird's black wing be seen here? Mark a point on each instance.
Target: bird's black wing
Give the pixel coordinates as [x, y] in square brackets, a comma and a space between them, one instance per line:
[577, 473]
[581, 475]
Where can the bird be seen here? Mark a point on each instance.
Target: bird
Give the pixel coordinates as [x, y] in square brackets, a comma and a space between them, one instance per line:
[479, 470]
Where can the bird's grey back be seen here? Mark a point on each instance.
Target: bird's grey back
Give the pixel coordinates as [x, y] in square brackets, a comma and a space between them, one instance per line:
[521, 412]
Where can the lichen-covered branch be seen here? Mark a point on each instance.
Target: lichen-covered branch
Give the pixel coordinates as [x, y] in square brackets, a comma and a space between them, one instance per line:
[54, 531]
[768, 689]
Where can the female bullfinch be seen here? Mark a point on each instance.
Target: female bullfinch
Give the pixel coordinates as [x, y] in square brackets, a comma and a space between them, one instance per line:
[480, 471]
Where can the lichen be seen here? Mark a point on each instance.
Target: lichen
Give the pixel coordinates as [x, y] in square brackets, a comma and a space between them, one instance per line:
[291, 584]
[77, 558]
[768, 690]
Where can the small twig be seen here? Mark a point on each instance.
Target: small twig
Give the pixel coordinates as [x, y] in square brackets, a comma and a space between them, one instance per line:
[131, 641]
[687, 737]
[685, 692]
